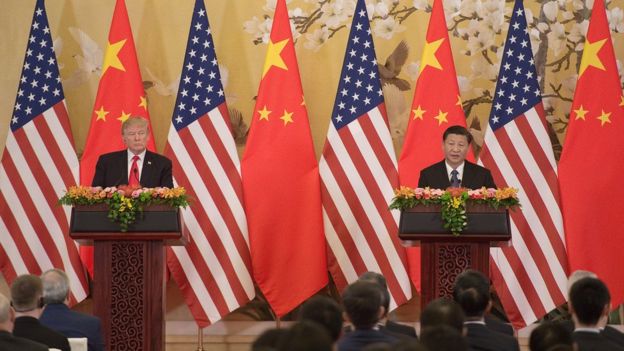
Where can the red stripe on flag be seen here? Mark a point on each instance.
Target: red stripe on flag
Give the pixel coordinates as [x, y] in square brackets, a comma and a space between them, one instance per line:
[537, 202]
[63, 119]
[360, 214]
[208, 229]
[511, 308]
[29, 208]
[17, 235]
[55, 153]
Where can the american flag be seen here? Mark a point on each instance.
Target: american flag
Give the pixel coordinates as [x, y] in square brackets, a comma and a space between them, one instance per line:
[530, 276]
[39, 162]
[214, 269]
[359, 172]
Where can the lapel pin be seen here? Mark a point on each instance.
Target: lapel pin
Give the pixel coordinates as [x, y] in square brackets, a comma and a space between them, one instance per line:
[149, 162]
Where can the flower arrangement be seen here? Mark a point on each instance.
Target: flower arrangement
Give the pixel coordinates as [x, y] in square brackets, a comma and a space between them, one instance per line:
[124, 202]
[453, 201]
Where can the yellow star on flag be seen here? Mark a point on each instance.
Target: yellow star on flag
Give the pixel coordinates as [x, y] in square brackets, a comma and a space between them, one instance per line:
[428, 57]
[418, 113]
[111, 58]
[287, 117]
[124, 116]
[580, 113]
[143, 102]
[264, 113]
[590, 56]
[273, 56]
[604, 118]
[101, 114]
[441, 117]
[458, 103]
[622, 101]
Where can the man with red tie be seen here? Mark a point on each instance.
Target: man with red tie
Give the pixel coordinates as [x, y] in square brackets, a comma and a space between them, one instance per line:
[135, 166]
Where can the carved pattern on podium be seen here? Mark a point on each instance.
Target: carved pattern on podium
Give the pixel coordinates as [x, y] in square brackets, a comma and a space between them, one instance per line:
[127, 296]
[451, 260]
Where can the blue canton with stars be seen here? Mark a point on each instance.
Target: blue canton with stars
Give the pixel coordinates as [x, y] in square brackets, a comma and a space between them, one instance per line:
[517, 88]
[40, 84]
[359, 89]
[200, 88]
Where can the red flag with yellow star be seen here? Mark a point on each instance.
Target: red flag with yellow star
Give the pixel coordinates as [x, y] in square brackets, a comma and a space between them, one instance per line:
[591, 168]
[120, 95]
[281, 183]
[436, 106]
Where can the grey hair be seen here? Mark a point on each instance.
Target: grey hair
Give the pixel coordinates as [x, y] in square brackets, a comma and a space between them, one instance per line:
[578, 275]
[4, 309]
[55, 286]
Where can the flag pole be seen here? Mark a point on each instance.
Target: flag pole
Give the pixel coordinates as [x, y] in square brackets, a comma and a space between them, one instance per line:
[200, 339]
[278, 322]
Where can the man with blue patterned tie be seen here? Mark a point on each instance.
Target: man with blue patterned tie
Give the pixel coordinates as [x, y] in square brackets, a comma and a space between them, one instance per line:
[454, 170]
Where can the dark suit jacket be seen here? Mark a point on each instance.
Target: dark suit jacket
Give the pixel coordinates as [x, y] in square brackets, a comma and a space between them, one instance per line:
[474, 177]
[112, 170]
[498, 326]
[399, 329]
[482, 338]
[72, 324]
[359, 338]
[588, 341]
[8, 342]
[613, 335]
[30, 328]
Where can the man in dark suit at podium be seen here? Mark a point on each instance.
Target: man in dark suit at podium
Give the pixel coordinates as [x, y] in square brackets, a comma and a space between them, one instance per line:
[136, 165]
[454, 170]
[57, 316]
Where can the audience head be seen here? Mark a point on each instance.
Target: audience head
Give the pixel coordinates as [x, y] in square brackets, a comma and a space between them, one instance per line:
[362, 304]
[305, 336]
[268, 340]
[443, 338]
[380, 280]
[472, 293]
[6, 314]
[324, 311]
[378, 346]
[26, 293]
[55, 286]
[442, 311]
[589, 301]
[578, 275]
[408, 345]
[550, 335]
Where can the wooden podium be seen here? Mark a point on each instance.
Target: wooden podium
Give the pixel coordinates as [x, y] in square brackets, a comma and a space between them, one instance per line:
[442, 255]
[129, 268]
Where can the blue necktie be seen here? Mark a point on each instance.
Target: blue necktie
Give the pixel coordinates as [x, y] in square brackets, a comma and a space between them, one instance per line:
[454, 179]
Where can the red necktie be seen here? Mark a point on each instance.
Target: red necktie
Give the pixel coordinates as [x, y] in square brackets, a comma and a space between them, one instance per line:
[133, 178]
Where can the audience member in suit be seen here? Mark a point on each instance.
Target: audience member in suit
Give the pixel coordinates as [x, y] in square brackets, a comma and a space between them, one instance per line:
[57, 316]
[472, 293]
[549, 335]
[443, 338]
[590, 303]
[408, 345]
[363, 307]
[455, 144]
[115, 168]
[498, 326]
[443, 311]
[386, 325]
[9, 342]
[27, 301]
[612, 334]
[305, 336]
[324, 311]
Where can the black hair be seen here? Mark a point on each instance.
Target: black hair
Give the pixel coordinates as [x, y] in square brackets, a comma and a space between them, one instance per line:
[549, 335]
[589, 297]
[442, 311]
[457, 130]
[472, 292]
[324, 311]
[361, 301]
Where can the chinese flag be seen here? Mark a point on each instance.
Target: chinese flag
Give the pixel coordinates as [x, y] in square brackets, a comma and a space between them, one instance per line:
[281, 182]
[120, 95]
[436, 106]
[591, 168]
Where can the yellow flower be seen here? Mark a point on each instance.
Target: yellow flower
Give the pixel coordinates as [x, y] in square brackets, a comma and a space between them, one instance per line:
[404, 192]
